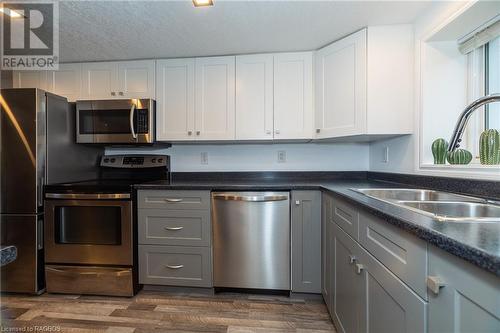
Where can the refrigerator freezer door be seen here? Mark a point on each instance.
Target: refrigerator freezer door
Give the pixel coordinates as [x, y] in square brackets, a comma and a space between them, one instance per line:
[25, 274]
[23, 150]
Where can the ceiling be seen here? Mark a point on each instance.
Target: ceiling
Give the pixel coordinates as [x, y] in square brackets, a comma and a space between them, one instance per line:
[123, 30]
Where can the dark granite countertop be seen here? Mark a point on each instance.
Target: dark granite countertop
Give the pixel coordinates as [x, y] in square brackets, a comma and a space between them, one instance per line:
[477, 243]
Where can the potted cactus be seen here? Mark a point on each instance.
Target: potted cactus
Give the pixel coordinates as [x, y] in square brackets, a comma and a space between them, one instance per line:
[489, 147]
[439, 151]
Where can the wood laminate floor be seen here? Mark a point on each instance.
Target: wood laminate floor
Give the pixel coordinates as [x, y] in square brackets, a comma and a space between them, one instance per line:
[160, 311]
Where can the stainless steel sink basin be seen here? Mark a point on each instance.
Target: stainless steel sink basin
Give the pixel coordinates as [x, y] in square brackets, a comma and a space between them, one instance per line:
[456, 211]
[408, 194]
[442, 206]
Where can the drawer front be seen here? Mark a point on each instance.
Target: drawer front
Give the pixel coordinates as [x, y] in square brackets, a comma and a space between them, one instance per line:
[346, 216]
[403, 254]
[174, 227]
[191, 200]
[175, 266]
[108, 281]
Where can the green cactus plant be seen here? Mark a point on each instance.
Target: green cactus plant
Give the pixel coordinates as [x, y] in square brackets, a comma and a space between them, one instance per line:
[459, 156]
[489, 147]
[439, 151]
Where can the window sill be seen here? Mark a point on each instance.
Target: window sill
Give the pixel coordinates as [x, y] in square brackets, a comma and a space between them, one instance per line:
[475, 171]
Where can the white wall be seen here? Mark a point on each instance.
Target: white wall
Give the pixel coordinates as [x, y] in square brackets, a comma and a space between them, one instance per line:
[401, 155]
[263, 157]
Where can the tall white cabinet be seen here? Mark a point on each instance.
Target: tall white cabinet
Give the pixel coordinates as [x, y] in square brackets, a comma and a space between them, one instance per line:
[66, 81]
[293, 96]
[195, 99]
[364, 84]
[274, 96]
[175, 99]
[214, 98]
[254, 97]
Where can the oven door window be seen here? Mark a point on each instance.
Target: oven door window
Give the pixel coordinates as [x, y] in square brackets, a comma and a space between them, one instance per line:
[92, 225]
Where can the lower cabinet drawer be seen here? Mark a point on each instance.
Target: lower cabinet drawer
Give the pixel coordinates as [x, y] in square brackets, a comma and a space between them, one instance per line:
[174, 227]
[109, 281]
[346, 216]
[175, 265]
[403, 254]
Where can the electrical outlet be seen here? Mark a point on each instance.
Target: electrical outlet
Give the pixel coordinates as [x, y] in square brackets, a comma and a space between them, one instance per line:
[385, 155]
[204, 157]
[281, 156]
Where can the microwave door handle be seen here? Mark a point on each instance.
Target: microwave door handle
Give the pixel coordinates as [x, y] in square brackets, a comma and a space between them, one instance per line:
[131, 118]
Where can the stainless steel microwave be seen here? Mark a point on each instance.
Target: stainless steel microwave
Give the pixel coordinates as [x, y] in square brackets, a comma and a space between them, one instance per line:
[119, 121]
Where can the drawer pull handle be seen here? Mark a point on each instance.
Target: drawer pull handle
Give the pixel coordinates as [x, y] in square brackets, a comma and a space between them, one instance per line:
[173, 200]
[174, 228]
[359, 268]
[352, 259]
[174, 266]
[434, 283]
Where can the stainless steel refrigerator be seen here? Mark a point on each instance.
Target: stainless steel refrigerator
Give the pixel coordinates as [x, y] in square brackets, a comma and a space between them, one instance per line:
[37, 148]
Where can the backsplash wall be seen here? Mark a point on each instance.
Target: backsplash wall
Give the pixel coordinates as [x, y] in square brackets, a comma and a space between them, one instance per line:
[262, 157]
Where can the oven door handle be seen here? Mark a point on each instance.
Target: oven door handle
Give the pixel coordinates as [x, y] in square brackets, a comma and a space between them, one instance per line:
[131, 118]
[89, 196]
[64, 272]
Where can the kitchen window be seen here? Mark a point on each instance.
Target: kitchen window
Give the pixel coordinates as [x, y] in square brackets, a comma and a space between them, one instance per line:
[483, 78]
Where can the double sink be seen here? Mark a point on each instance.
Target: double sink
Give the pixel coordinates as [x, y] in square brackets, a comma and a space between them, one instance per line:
[442, 206]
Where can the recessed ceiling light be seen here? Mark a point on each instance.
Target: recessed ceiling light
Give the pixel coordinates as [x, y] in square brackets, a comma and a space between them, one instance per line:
[203, 3]
[10, 12]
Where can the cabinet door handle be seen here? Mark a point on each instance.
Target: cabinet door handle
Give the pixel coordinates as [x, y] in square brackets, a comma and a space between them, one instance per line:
[120, 93]
[297, 202]
[359, 268]
[268, 132]
[174, 228]
[190, 132]
[198, 132]
[113, 93]
[277, 131]
[434, 283]
[318, 130]
[352, 259]
[173, 200]
[174, 266]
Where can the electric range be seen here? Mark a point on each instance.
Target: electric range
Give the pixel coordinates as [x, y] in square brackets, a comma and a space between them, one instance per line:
[90, 229]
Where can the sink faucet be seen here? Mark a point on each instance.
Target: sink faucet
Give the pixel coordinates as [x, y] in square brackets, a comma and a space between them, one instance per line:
[459, 130]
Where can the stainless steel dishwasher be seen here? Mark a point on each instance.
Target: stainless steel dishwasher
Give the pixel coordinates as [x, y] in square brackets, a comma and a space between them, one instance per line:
[251, 240]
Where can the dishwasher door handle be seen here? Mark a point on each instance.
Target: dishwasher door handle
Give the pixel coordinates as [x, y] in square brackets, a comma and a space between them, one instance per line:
[254, 198]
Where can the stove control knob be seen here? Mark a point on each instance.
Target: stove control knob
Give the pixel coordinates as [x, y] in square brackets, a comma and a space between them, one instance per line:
[153, 160]
[160, 160]
[113, 160]
[106, 160]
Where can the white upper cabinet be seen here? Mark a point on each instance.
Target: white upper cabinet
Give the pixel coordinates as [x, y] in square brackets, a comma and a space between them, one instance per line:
[136, 79]
[341, 87]
[254, 97]
[124, 79]
[364, 84]
[215, 98]
[293, 100]
[175, 99]
[66, 81]
[30, 79]
[99, 80]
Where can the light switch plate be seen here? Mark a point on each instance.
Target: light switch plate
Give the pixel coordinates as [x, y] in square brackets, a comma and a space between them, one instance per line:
[281, 156]
[204, 157]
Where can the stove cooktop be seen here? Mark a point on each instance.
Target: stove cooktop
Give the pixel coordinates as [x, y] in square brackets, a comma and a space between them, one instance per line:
[97, 186]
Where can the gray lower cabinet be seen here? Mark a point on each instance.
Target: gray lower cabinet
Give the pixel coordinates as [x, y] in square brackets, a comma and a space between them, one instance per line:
[175, 265]
[386, 303]
[326, 253]
[368, 297]
[175, 237]
[306, 241]
[347, 284]
[462, 297]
